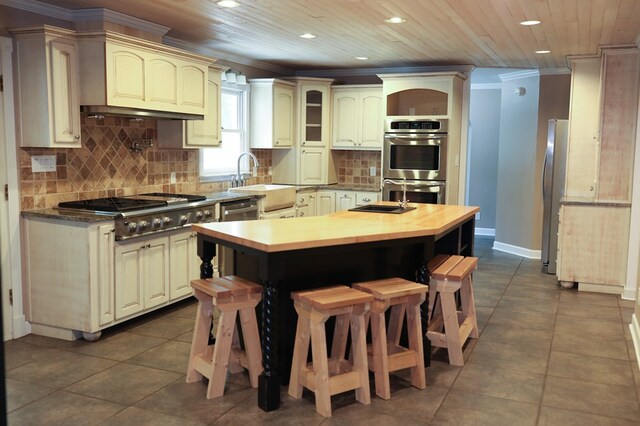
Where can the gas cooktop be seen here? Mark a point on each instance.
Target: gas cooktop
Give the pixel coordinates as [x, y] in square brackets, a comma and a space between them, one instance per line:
[130, 203]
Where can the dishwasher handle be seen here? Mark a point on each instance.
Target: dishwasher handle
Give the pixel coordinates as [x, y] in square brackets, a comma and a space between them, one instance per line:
[241, 210]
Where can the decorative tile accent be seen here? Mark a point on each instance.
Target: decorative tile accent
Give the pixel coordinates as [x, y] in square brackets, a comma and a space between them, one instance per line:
[353, 167]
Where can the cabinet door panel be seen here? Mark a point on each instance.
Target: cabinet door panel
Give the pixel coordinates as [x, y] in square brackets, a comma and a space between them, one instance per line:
[105, 275]
[183, 264]
[163, 84]
[371, 120]
[207, 132]
[129, 280]
[345, 200]
[283, 116]
[345, 119]
[194, 88]
[156, 291]
[312, 165]
[64, 88]
[125, 77]
[326, 203]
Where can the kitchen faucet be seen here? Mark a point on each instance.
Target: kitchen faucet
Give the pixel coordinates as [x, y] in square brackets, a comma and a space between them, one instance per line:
[404, 202]
[238, 180]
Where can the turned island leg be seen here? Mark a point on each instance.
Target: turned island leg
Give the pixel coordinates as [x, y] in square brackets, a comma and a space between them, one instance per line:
[269, 380]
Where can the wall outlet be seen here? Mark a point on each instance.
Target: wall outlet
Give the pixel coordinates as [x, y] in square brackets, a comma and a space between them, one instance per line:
[478, 216]
[372, 171]
[43, 163]
[270, 171]
[172, 179]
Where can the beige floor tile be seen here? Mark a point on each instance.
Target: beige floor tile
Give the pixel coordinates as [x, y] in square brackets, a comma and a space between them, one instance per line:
[470, 408]
[529, 359]
[60, 370]
[120, 346]
[486, 296]
[124, 383]
[587, 344]
[594, 398]
[186, 337]
[189, 401]
[134, 416]
[525, 304]
[539, 294]
[554, 416]
[165, 327]
[588, 326]
[516, 335]
[626, 314]
[586, 298]
[63, 408]
[590, 368]
[20, 393]
[171, 355]
[18, 353]
[501, 383]
[441, 374]
[526, 319]
[609, 313]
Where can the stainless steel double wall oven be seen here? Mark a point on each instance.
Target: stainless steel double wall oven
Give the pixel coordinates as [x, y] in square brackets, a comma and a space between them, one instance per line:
[416, 150]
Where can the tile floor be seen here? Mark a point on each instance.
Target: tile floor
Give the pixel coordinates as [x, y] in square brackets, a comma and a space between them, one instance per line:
[545, 356]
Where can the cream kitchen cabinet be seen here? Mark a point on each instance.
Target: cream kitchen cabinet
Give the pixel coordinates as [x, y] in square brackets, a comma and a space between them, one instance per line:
[196, 133]
[314, 111]
[313, 169]
[141, 275]
[364, 198]
[184, 263]
[345, 200]
[123, 71]
[325, 202]
[272, 113]
[357, 117]
[47, 81]
[306, 203]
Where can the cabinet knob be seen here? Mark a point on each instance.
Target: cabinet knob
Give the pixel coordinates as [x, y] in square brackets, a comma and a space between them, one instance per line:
[366, 200]
[148, 245]
[301, 214]
[303, 143]
[277, 142]
[76, 137]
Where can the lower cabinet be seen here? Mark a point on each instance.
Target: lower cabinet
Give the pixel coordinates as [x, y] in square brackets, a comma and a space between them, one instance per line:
[142, 275]
[318, 203]
[184, 263]
[325, 202]
[345, 200]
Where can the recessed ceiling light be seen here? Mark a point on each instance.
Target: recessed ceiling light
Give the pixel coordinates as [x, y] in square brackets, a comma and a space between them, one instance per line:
[307, 35]
[228, 3]
[395, 20]
[362, 58]
[533, 22]
[543, 51]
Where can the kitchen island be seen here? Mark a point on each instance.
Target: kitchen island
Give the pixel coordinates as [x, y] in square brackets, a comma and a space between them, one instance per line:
[340, 248]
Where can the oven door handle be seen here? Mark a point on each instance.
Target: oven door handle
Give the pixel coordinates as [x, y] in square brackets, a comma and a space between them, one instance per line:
[240, 211]
[416, 136]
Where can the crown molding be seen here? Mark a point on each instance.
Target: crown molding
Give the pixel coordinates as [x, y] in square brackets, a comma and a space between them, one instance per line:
[554, 71]
[486, 86]
[102, 14]
[350, 72]
[517, 75]
[230, 57]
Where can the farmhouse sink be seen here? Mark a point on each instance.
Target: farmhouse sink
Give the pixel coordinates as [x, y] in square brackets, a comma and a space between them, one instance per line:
[275, 196]
[374, 208]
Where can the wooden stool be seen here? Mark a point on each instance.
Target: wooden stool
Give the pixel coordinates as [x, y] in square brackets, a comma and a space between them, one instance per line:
[387, 355]
[330, 376]
[453, 273]
[230, 295]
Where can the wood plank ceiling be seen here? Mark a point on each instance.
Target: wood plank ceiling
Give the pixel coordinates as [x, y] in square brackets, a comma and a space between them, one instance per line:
[484, 33]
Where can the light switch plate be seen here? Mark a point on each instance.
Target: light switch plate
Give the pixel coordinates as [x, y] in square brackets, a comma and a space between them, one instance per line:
[43, 163]
[372, 171]
[172, 177]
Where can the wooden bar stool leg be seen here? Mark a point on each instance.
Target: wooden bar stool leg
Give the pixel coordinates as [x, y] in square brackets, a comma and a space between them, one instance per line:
[200, 337]
[452, 329]
[221, 353]
[395, 324]
[252, 348]
[339, 344]
[235, 365]
[469, 305]
[320, 366]
[359, 343]
[380, 359]
[300, 353]
[414, 327]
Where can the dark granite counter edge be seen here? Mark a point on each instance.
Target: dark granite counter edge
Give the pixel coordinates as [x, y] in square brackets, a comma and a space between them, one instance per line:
[595, 203]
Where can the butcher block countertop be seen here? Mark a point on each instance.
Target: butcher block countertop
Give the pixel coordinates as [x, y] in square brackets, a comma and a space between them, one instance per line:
[344, 227]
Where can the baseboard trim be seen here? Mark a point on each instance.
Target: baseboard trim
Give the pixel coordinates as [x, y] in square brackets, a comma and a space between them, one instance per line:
[486, 232]
[634, 327]
[600, 288]
[20, 326]
[518, 251]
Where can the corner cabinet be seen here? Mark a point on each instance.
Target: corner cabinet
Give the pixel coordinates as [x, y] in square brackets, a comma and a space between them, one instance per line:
[122, 71]
[47, 87]
[196, 133]
[357, 117]
[272, 113]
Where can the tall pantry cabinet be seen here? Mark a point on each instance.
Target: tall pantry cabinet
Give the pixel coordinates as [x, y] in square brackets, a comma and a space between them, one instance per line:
[595, 211]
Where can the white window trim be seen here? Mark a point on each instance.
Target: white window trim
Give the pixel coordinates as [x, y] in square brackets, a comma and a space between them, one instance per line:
[244, 118]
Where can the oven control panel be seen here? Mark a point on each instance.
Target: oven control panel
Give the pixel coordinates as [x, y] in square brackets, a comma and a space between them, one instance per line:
[153, 222]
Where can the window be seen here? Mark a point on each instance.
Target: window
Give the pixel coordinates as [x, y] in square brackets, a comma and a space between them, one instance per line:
[222, 161]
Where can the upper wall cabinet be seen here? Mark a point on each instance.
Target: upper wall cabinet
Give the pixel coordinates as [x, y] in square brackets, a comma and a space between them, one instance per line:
[47, 87]
[121, 71]
[272, 113]
[195, 133]
[357, 117]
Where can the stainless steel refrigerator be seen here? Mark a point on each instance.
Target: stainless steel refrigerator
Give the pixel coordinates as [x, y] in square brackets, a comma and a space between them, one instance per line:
[553, 175]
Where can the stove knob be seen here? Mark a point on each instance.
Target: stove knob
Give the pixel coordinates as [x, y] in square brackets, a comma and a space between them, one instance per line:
[142, 225]
[199, 215]
[133, 227]
[167, 221]
[157, 223]
[207, 214]
[183, 219]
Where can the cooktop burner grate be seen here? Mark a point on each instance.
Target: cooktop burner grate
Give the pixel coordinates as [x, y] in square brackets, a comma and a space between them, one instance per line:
[112, 204]
[190, 198]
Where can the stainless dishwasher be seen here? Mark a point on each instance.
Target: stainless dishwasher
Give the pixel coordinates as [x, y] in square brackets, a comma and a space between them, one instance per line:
[234, 211]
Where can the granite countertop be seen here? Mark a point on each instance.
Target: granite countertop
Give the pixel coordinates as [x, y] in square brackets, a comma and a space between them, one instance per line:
[577, 201]
[339, 187]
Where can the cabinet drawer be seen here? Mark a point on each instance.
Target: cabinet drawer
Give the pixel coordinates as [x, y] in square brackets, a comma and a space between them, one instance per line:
[363, 198]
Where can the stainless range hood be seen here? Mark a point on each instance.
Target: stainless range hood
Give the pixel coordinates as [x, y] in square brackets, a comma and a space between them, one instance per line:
[136, 113]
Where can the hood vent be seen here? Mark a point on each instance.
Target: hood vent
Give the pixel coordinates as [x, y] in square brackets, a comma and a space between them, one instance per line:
[137, 113]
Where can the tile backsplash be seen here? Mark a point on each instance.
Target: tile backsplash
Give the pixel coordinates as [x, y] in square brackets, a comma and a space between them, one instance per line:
[105, 166]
